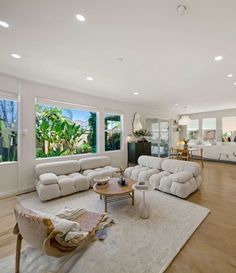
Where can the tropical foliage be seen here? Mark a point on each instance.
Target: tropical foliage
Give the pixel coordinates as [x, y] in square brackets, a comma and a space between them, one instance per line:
[8, 130]
[112, 132]
[57, 134]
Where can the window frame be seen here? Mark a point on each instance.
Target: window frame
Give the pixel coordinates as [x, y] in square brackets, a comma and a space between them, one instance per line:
[67, 106]
[114, 113]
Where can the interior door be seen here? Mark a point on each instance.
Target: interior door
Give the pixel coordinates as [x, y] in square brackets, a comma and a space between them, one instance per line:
[160, 136]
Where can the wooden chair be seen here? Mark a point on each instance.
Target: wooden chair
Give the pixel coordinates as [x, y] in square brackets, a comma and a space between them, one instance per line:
[183, 154]
[173, 153]
[39, 232]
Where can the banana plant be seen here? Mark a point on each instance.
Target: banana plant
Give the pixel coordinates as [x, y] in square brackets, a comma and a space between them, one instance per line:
[72, 136]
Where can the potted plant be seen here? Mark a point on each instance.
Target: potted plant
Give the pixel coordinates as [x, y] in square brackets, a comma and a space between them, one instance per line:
[142, 134]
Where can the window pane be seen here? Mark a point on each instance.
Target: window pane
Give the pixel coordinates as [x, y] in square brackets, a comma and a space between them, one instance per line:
[112, 132]
[8, 130]
[63, 131]
[193, 129]
[209, 123]
[229, 129]
[209, 129]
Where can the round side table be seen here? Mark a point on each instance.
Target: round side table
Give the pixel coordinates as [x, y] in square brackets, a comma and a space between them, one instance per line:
[144, 208]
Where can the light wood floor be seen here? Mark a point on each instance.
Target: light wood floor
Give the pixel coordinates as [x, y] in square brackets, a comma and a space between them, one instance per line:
[212, 248]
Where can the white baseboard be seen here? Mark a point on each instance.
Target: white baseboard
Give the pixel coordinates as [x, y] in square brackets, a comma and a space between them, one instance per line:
[27, 190]
[14, 192]
[8, 193]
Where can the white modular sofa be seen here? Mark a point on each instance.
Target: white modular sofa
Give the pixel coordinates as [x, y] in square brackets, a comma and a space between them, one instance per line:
[97, 167]
[65, 177]
[59, 178]
[176, 177]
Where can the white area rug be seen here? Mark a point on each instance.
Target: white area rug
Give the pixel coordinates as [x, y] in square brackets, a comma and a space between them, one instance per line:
[133, 245]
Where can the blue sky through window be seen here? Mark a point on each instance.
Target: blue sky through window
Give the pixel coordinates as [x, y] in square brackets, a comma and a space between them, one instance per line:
[74, 114]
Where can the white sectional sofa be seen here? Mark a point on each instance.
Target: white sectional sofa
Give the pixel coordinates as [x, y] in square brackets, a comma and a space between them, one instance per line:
[176, 177]
[65, 177]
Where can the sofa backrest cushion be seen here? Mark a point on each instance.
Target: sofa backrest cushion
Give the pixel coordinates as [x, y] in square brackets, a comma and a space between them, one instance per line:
[48, 178]
[94, 162]
[150, 161]
[175, 166]
[58, 168]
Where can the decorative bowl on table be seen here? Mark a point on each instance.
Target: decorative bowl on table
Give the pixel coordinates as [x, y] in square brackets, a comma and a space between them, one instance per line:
[102, 180]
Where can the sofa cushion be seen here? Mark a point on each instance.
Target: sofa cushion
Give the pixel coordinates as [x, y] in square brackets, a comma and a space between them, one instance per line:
[81, 182]
[175, 166]
[58, 168]
[135, 173]
[129, 170]
[47, 192]
[145, 175]
[155, 178]
[181, 177]
[183, 190]
[48, 178]
[66, 185]
[94, 162]
[165, 184]
[150, 161]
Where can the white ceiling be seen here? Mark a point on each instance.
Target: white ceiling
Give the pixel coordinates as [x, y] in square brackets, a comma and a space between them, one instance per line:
[168, 59]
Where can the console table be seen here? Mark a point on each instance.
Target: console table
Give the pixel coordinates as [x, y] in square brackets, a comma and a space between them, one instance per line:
[136, 149]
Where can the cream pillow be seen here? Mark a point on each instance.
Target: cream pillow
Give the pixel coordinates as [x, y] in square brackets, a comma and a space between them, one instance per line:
[48, 178]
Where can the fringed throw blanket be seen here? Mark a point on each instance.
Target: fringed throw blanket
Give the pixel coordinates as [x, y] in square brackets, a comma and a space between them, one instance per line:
[75, 226]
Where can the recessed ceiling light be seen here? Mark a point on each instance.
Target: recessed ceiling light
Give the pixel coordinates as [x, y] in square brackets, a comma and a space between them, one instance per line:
[135, 93]
[235, 83]
[16, 56]
[80, 17]
[218, 58]
[176, 104]
[89, 78]
[230, 75]
[4, 24]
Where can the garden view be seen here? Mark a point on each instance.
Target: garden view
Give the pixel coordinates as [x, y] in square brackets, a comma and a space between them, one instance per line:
[62, 131]
[8, 130]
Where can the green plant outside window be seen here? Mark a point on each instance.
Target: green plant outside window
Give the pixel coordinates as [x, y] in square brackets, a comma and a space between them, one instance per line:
[8, 130]
[112, 132]
[62, 131]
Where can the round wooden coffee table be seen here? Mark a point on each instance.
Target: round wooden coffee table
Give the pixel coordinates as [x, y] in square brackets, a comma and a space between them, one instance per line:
[113, 191]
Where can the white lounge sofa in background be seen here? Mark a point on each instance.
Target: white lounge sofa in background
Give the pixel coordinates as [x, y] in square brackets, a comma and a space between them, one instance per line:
[176, 177]
[59, 178]
[97, 167]
[222, 151]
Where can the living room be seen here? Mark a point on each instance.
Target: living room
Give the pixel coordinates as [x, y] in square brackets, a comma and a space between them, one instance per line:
[143, 94]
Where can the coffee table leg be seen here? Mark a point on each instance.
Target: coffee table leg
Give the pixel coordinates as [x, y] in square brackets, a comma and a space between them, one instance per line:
[105, 201]
[132, 197]
[100, 196]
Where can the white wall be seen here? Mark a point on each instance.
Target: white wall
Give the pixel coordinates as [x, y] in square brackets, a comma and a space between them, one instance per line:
[20, 176]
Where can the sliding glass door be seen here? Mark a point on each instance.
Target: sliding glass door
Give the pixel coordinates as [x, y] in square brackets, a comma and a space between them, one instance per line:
[160, 136]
